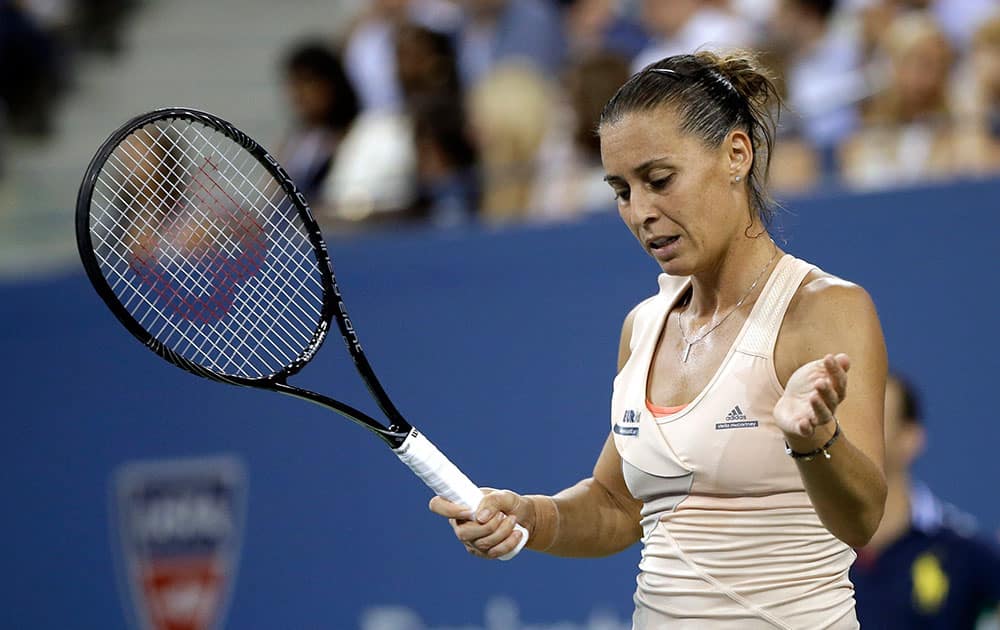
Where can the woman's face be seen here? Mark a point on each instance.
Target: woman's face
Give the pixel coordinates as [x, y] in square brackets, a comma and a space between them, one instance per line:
[676, 195]
[986, 64]
[311, 97]
[922, 73]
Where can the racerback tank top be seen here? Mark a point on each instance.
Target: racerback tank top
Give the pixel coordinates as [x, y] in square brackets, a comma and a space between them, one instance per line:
[730, 537]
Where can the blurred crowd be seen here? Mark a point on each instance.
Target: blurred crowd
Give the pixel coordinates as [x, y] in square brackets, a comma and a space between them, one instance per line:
[40, 43]
[450, 111]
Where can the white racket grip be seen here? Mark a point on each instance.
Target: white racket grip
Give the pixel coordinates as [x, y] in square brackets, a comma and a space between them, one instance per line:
[445, 479]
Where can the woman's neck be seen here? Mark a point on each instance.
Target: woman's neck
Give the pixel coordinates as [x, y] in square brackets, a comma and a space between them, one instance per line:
[721, 286]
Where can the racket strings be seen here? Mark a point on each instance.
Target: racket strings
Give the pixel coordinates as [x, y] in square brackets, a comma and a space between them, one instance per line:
[272, 327]
[215, 199]
[193, 280]
[143, 254]
[203, 200]
[133, 244]
[229, 348]
[291, 262]
[205, 250]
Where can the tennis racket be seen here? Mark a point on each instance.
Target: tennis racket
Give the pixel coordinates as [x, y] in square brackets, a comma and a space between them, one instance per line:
[203, 248]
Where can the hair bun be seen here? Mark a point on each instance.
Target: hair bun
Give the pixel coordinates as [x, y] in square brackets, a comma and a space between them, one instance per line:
[746, 74]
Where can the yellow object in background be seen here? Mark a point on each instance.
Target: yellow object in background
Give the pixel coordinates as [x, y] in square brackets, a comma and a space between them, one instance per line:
[930, 583]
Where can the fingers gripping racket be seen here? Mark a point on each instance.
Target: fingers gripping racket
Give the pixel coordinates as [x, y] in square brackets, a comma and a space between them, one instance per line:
[201, 245]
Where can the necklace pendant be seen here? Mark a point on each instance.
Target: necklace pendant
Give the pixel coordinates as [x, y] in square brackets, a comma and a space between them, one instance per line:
[687, 351]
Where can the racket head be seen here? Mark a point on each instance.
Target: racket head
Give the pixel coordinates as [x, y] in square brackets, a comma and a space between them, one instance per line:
[204, 249]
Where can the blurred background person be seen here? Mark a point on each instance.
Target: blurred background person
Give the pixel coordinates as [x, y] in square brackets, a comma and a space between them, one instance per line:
[499, 31]
[594, 26]
[571, 176]
[978, 102]
[796, 166]
[510, 112]
[983, 102]
[370, 56]
[323, 105]
[30, 74]
[926, 567]
[682, 27]
[958, 18]
[447, 174]
[821, 66]
[99, 24]
[907, 132]
[370, 48]
[374, 179]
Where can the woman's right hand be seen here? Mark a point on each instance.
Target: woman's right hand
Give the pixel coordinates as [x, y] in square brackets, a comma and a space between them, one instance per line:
[489, 533]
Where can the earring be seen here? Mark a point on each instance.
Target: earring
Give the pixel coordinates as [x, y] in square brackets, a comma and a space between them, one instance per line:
[738, 178]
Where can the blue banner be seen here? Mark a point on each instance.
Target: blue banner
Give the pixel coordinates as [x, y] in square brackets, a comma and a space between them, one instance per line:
[501, 347]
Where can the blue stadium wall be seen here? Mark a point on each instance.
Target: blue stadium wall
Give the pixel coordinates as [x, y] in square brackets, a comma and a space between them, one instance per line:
[501, 345]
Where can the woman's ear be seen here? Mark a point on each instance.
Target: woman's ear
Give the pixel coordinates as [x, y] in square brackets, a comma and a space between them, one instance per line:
[739, 150]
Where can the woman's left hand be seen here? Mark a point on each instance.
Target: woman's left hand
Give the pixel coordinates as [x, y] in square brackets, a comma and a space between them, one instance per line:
[812, 395]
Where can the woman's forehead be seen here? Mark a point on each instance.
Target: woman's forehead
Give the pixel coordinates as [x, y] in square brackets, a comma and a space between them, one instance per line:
[665, 116]
[643, 135]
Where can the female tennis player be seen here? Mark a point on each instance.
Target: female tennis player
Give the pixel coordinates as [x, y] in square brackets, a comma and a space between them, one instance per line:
[735, 454]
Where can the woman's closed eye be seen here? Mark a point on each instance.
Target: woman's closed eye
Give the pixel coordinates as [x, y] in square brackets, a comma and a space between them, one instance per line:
[661, 183]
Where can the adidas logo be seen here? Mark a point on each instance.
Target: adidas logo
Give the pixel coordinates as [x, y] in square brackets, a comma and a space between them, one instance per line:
[736, 419]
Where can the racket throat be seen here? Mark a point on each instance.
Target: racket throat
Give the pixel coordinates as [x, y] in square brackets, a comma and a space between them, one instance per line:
[394, 435]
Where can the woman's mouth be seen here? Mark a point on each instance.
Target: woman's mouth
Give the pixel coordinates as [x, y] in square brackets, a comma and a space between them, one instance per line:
[663, 247]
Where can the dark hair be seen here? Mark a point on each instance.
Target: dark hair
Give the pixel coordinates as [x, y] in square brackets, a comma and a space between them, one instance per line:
[713, 94]
[315, 59]
[912, 408]
[820, 8]
[442, 121]
[426, 62]
[590, 82]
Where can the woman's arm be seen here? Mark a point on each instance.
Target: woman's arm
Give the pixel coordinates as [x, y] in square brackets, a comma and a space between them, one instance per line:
[596, 517]
[832, 327]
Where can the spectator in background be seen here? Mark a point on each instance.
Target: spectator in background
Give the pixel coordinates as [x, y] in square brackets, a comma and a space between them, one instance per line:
[448, 185]
[908, 132]
[98, 23]
[822, 73]
[497, 31]
[984, 101]
[370, 56]
[324, 106]
[29, 71]
[595, 26]
[510, 111]
[979, 103]
[924, 567]
[757, 13]
[958, 19]
[687, 26]
[375, 174]
[796, 166]
[571, 176]
[370, 49]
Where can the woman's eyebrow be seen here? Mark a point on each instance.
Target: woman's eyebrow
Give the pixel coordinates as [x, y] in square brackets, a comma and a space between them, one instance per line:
[641, 169]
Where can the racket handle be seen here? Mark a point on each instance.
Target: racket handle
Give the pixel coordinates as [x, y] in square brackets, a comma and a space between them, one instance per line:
[445, 479]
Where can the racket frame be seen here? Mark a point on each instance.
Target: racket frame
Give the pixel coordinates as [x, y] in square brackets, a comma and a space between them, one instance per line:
[412, 447]
[333, 307]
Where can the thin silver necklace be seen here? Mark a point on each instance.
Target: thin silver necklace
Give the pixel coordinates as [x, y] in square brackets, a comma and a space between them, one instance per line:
[680, 325]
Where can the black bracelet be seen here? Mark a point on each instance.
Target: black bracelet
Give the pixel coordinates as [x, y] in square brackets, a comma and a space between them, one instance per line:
[824, 450]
